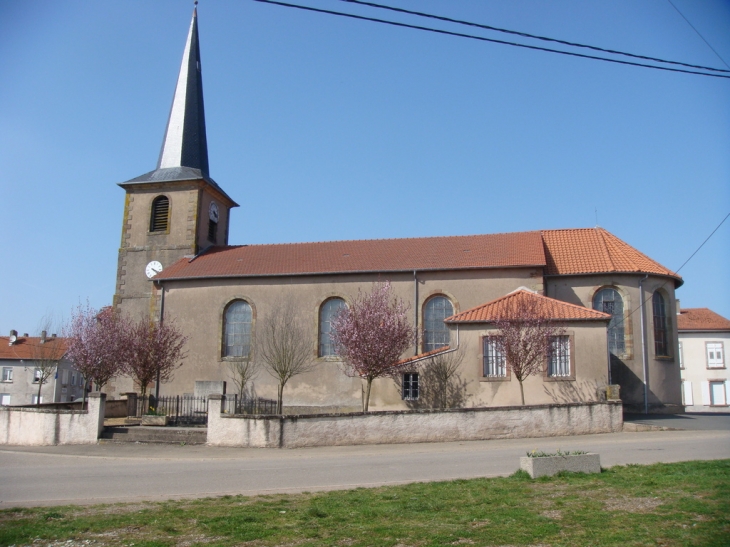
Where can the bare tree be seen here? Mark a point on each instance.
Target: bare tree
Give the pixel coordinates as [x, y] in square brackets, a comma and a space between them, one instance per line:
[243, 371]
[526, 334]
[283, 345]
[442, 381]
[46, 353]
[371, 335]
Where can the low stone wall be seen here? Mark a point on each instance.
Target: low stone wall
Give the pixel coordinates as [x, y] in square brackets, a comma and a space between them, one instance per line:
[411, 426]
[115, 408]
[29, 426]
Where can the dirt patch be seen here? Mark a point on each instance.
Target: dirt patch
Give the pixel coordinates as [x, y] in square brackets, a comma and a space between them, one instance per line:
[632, 505]
[555, 515]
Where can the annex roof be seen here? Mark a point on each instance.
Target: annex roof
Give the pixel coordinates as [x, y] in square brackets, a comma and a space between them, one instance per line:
[548, 308]
[595, 250]
[25, 347]
[519, 249]
[701, 319]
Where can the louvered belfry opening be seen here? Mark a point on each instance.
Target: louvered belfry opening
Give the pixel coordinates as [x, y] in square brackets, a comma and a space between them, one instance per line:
[160, 214]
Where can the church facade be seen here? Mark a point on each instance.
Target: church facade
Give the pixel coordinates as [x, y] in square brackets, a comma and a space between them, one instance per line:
[616, 304]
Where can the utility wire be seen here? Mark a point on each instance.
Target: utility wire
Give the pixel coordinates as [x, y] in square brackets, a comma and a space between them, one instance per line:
[698, 34]
[483, 39]
[535, 36]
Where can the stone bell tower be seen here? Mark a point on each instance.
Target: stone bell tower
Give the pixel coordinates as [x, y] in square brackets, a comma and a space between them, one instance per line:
[176, 210]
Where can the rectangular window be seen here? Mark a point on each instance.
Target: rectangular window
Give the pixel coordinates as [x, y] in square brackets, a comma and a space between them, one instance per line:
[73, 378]
[212, 231]
[717, 394]
[4, 399]
[715, 355]
[64, 377]
[495, 365]
[559, 358]
[681, 356]
[7, 374]
[410, 386]
[37, 376]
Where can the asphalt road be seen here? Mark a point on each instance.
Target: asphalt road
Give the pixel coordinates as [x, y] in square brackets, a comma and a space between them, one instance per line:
[127, 473]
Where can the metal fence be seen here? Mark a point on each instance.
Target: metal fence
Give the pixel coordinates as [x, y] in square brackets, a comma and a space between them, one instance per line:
[179, 409]
[233, 404]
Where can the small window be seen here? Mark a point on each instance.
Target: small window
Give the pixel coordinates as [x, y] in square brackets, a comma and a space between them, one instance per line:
[4, 399]
[238, 319]
[495, 365]
[327, 312]
[37, 375]
[435, 331]
[64, 377]
[160, 216]
[609, 301]
[7, 374]
[717, 394]
[73, 378]
[410, 386]
[661, 340]
[559, 359]
[212, 231]
[715, 355]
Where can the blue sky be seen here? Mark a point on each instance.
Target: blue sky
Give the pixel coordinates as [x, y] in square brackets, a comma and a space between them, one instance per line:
[324, 128]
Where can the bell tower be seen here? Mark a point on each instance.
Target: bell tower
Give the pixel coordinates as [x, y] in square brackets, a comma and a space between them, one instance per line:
[177, 210]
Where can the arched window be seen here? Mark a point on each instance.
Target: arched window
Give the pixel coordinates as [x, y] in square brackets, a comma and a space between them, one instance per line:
[160, 214]
[327, 312]
[609, 301]
[435, 331]
[237, 321]
[661, 340]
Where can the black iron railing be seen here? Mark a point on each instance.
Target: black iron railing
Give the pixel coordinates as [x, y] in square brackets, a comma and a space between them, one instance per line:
[233, 404]
[179, 409]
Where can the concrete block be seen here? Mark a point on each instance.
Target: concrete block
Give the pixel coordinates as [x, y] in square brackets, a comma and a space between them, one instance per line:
[551, 465]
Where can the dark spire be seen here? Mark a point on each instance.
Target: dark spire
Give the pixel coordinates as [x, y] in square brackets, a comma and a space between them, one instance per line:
[185, 143]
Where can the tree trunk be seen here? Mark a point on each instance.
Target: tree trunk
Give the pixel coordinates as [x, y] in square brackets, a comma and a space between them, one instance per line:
[367, 395]
[40, 386]
[522, 394]
[279, 399]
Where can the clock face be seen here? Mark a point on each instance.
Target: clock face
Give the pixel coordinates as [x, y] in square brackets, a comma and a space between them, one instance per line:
[153, 268]
[213, 211]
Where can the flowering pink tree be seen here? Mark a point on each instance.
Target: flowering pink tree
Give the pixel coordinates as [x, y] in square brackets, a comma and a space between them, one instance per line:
[97, 343]
[371, 335]
[156, 350]
[525, 338]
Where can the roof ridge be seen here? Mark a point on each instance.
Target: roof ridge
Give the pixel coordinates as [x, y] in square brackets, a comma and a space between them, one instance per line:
[600, 231]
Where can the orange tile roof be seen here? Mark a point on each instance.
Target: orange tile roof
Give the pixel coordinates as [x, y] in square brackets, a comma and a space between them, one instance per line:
[701, 319]
[422, 356]
[549, 308]
[23, 348]
[519, 249]
[594, 250]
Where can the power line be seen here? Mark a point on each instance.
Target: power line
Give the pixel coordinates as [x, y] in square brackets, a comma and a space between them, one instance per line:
[698, 34]
[534, 36]
[483, 39]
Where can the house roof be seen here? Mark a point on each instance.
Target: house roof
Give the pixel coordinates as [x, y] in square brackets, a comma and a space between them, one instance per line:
[701, 319]
[25, 347]
[548, 308]
[519, 249]
[424, 355]
[595, 250]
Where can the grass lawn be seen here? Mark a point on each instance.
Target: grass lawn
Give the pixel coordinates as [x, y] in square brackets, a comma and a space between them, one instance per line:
[659, 505]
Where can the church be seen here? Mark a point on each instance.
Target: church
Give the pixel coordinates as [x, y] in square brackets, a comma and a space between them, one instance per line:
[617, 305]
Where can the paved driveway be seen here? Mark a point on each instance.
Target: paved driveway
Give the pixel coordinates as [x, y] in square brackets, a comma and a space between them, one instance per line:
[112, 473]
[696, 421]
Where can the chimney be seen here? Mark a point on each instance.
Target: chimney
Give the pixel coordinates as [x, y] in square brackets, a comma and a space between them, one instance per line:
[25, 334]
[10, 340]
[43, 337]
[53, 335]
[13, 333]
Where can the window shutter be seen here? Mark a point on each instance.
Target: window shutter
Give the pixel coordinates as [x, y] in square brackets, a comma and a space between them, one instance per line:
[687, 389]
[727, 392]
[706, 393]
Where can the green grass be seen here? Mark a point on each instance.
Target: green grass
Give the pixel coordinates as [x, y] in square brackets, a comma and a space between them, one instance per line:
[683, 504]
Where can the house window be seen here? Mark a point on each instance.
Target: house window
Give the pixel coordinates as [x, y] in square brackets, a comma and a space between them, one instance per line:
[609, 301]
[559, 358]
[495, 365]
[717, 394]
[73, 378]
[4, 399]
[212, 231]
[410, 386]
[160, 214]
[715, 355]
[7, 374]
[37, 375]
[681, 356]
[327, 312]
[237, 329]
[661, 340]
[64, 377]
[435, 331]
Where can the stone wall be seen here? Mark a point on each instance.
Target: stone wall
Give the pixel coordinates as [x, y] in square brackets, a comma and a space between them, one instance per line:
[42, 426]
[411, 426]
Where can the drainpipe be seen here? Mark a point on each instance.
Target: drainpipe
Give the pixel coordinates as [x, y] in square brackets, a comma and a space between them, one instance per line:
[415, 311]
[643, 345]
[162, 315]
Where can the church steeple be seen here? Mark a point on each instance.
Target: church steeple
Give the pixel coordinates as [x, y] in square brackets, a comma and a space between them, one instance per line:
[185, 143]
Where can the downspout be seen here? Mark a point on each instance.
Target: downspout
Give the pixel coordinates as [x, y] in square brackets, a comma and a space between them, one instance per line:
[162, 315]
[415, 311]
[643, 345]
